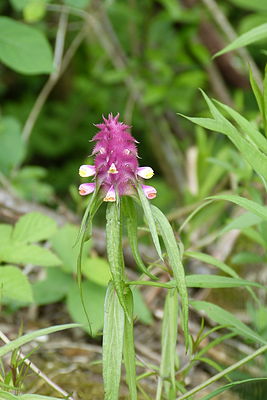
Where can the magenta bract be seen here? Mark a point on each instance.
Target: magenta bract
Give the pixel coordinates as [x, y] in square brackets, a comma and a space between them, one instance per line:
[116, 166]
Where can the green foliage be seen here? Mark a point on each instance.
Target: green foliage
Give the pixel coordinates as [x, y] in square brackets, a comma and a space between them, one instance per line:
[14, 285]
[12, 149]
[23, 48]
[112, 343]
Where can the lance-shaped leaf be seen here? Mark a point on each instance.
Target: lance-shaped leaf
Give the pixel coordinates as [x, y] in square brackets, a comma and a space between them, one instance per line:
[175, 262]
[131, 222]
[112, 343]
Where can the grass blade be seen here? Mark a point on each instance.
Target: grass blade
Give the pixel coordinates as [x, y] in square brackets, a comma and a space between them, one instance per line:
[174, 256]
[224, 317]
[15, 344]
[252, 36]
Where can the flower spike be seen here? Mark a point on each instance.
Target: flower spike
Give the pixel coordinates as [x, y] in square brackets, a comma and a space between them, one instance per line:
[116, 168]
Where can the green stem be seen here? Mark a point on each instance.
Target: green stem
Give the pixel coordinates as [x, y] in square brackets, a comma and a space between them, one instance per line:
[168, 285]
[223, 373]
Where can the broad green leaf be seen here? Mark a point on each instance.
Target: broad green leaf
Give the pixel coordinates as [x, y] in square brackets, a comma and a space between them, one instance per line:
[224, 317]
[96, 269]
[265, 98]
[113, 334]
[53, 288]
[175, 261]
[34, 227]
[243, 221]
[252, 36]
[93, 301]
[250, 381]
[20, 253]
[168, 344]
[128, 348]
[150, 220]
[114, 251]
[14, 285]
[7, 396]
[24, 48]
[215, 281]
[12, 149]
[131, 222]
[18, 5]
[65, 245]
[5, 234]
[249, 205]
[17, 343]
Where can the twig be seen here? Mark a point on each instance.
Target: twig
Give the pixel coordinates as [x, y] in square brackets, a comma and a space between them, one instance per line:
[60, 67]
[230, 33]
[34, 368]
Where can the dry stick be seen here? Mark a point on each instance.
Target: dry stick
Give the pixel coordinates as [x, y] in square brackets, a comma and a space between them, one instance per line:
[230, 33]
[34, 368]
[61, 66]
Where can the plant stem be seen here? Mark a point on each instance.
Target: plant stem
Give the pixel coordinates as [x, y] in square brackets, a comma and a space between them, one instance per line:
[223, 373]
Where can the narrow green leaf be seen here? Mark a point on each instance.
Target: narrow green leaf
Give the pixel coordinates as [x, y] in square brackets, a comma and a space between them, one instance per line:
[224, 317]
[252, 206]
[252, 36]
[34, 227]
[265, 98]
[257, 138]
[257, 92]
[14, 285]
[174, 256]
[24, 48]
[112, 343]
[29, 396]
[231, 385]
[114, 251]
[150, 220]
[206, 258]
[131, 222]
[242, 221]
[128, 348]
[215, 281]
[168, 344]
[17, 343]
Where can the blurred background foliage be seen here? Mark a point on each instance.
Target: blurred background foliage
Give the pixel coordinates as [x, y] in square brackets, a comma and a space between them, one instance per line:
[145, 60]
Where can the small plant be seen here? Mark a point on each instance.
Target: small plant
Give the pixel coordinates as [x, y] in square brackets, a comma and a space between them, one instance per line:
[118, 181]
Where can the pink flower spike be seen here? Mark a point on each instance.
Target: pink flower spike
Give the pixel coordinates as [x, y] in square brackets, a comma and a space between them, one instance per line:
[87, 170]
[145, 172]
[150, 191]
[86, 188]
[111, 195]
